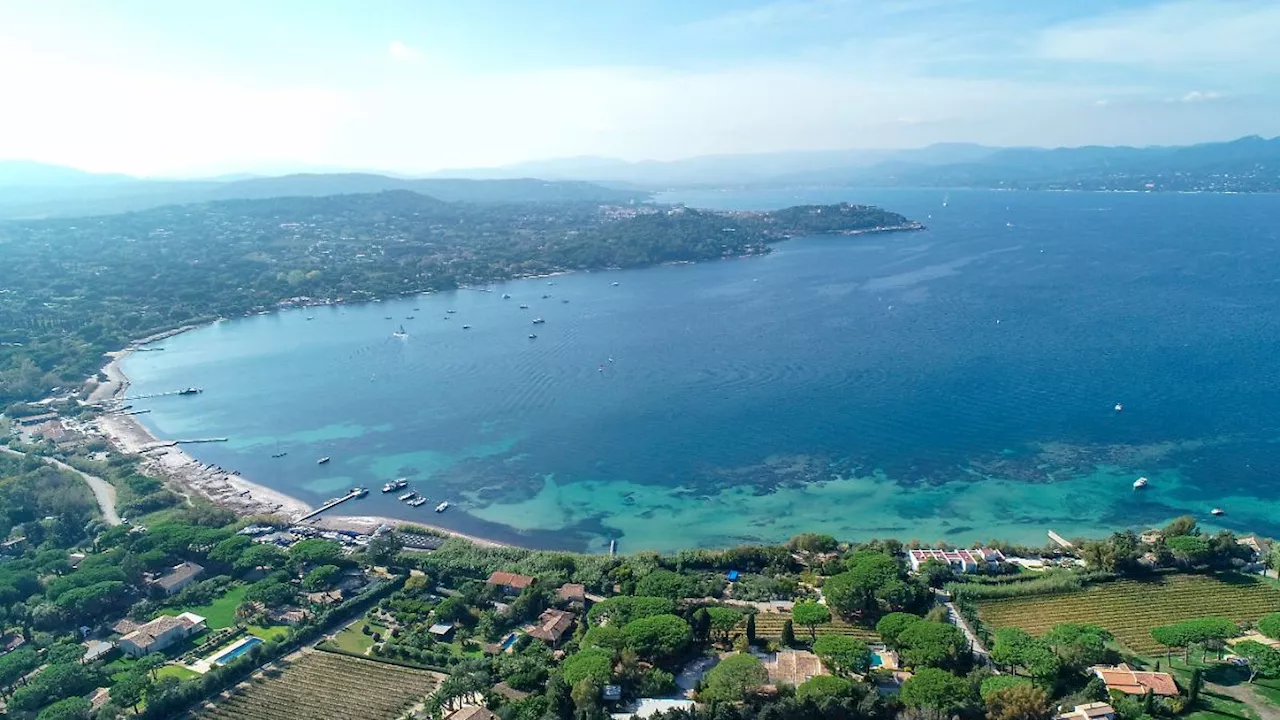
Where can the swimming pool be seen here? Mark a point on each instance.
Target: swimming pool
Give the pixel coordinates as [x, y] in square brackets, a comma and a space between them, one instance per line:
[510, 640]
[236, 651]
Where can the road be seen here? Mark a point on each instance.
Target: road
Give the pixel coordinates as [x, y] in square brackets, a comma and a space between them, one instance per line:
[103, 491]
[953, 614]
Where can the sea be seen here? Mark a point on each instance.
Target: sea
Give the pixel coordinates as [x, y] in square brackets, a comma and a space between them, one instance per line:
[955, 384]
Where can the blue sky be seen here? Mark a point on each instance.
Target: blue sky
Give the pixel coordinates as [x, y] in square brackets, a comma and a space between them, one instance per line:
[185, 88]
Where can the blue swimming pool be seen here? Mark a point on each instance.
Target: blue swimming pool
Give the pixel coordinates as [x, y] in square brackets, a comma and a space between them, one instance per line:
[510, 640]
[876, 660]
[237, 651]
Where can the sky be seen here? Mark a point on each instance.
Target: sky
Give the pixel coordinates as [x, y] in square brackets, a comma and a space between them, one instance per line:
[162, 88]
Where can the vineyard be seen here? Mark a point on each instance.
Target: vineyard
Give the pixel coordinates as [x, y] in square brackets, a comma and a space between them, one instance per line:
[1129, 608]
[769, 625]
[326, 685]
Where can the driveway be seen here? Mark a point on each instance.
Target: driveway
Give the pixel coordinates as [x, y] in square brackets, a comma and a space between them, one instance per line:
[103, 491]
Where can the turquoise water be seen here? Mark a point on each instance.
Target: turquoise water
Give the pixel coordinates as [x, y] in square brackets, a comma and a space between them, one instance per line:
[953, 384]
[236, 652]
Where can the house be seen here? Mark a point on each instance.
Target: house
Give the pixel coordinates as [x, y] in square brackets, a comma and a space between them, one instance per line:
[646, 707]
[178, 578]
[124, 626]
[98, 698]
[1089, 711]
[473, 712]
[329, 597]
[793, 667]
[509, 692]
[290, 616]
[13, 546]
[551, 626]
[33, 420]
[573, 593]
[96, 650]
[444, 631]
[1135, 682]
[160, 634]
[962, 560]
[9, 643]
[510, 583]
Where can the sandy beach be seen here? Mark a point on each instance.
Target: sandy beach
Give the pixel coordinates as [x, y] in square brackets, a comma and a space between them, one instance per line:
[221, 486]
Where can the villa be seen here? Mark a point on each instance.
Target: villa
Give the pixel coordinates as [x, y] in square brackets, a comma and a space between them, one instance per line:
[178, 578]
[1089, 711]
[160, 634]
[551, 626]
[962, 560]
[1135, 682]
[510, 583]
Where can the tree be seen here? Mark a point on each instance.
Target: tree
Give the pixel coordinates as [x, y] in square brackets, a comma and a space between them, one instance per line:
[261, 555]
[665, 583]
[229, 551]
[723, 622]
[130, 689]
[811, 615]
[1263, 660]
[1019, 702]
[1269, 624]
[788, 638]
[843, 655]
[936, 573]
[1078, 645]
[453, 609]
[751, 628]
[1008, 646]
[1196, 683]
[661, 638]
[72, 708]
[586, 699]
[1181, 526]
[995, 683]
[853, 592]
[733, 679]
[588, 664]
[322, 578]
[893, 625]
[701, 625]
[822, 687]
[623, 609]
[315, 551]
[813, 543]
[16, 664]
[605, 636]
[1189, 550]
[929, 644]
[383, 548]
[270, 592]
[935, 689]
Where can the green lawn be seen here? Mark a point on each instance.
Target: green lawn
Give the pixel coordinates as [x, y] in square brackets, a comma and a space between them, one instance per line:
[354, 641]
[176, 671]
[220, 613]
[269, 632]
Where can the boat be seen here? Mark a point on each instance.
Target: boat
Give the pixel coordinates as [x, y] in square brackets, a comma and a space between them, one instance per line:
[1119, 407]
[506, 296]
[323, 460]
[538, 321]
[1139, 483]
[408, 496]
[442, 506]
[544, 297]
[311, 317]
[533, 336]
[279, 454]
[1217, 511]
[395, 485]
[564, 301]
[615, 284]
[359, 492]
[451, 312]
[466, 327]
[387, 317]
[408, 317]
[418, 502]
[523, 306]
[400, 333]
[190, 391]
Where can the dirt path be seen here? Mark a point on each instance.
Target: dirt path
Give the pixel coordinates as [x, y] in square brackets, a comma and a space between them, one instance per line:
[1245, 694]
[103, 491]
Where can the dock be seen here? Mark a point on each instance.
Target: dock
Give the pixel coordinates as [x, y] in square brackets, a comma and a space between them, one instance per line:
[184, 391]
[1066, 544]
[330, 505]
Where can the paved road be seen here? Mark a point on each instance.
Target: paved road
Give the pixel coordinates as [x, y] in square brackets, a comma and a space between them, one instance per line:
[103, 491]
[953, 614]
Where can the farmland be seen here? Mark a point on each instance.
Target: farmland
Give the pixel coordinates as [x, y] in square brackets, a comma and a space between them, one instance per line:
[1131, 608]
[325, 685]
[769, 625]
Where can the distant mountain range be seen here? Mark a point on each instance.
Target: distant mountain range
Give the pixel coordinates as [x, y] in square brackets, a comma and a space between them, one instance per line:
[1249, 164]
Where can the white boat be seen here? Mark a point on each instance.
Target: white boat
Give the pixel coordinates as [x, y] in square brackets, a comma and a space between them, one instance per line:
[359, 492]
[451, 312]
[1119, 407]
[615, 284]
[408, 496]
[523, 306]
[506, 296]
[395, 485]
[323, 460]
[1218, 511]
[538, 321]
[418, 502]
[466, 327]
[1139, 483]
[533, 336]
[400, 333]
[442, 506]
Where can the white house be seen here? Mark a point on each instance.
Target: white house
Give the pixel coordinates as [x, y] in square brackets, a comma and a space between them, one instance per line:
[962, 560]
[160, 634]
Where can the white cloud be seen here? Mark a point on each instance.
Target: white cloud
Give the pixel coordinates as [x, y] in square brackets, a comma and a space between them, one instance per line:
[1198, 96]
[399, 51]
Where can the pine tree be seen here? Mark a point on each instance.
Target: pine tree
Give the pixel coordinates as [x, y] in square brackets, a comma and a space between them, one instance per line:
[1193, 687]
[751, 629]
[788, 634]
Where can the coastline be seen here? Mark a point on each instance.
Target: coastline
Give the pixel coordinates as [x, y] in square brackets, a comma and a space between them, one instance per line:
[168, 461]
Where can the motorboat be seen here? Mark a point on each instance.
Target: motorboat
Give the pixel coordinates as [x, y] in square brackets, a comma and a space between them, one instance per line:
[1139, 483]
[442, 506]
[408, 496]
[533, 336]
[1119, 407]
[359, 492]
[419, 502]
[538, 321]
[1217, 511]
[395, 485]
[323, 460]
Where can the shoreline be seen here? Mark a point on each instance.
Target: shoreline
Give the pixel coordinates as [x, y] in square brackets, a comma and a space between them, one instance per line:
[169, 462]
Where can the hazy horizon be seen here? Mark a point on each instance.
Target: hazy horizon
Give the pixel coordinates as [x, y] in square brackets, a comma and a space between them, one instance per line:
[163, 90]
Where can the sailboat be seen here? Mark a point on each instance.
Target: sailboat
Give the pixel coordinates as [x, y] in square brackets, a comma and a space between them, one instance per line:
[945, 197]
[400, 333]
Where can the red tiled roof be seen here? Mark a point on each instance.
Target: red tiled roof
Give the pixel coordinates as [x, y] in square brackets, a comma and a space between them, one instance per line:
[1136, 682]
[551, 625]
[507, 579]
[571, 592]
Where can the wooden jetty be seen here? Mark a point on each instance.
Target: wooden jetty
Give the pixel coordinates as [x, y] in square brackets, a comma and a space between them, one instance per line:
[1066, 544]
[331, 504]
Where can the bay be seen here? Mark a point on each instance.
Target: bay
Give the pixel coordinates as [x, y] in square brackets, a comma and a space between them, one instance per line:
[955, 384]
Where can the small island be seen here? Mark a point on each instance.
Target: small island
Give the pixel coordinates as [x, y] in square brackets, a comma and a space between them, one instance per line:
[81, 287]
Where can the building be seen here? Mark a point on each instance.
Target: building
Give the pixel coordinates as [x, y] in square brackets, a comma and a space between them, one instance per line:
[962, 560]
[178, 578]
[444, 631]
[160, 634]
[1135, 682]
[510, 583]
[99, 697]
[646, 707]
[33, 420]
[96, 650]
[290, 615]
[473, 712]
[1090, 711]
[551, 626]
[9, 643]
[572, 593]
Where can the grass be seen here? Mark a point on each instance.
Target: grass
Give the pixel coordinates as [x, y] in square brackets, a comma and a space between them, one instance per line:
[352, 640]
[220, 613]
[1131, 608]
[176, 671]
[268, 632]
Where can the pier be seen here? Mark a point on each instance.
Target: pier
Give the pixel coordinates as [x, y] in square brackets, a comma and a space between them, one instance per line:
[1066, 544]
[184, 391]
[330, 505]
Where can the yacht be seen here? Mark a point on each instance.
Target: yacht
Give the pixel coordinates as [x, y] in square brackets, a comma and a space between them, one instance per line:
[419, 502]
[408, 496]
[506, 296]
[442, 506]
[1139, 483]
[395, 485]
[359, 492]
[523, 306]
[538, 321]
[1217, 511]
[388, 317]
[451, 312]
[279, 454]
[400, 333]
[408, 317]
[311, 317]
[533, 336]
[323, 460]
[615, 284]
[466, 327]
[544, 297]
[1119, 407]
[190, 391]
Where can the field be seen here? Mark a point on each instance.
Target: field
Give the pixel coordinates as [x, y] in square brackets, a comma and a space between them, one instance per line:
[325, 685]
[1130, 608]
[769, 625]
[221, 612]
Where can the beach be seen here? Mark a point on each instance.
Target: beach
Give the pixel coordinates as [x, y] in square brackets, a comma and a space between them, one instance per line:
[223, 487]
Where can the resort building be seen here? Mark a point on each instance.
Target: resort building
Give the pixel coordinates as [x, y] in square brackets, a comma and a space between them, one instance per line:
[1135, 682]
[178, 578]
[510, 583]
[551, 626]
[1089, 711]
[962, 560]
[160, 634]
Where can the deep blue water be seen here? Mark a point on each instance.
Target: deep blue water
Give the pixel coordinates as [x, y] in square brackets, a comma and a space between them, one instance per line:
[954, 384]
